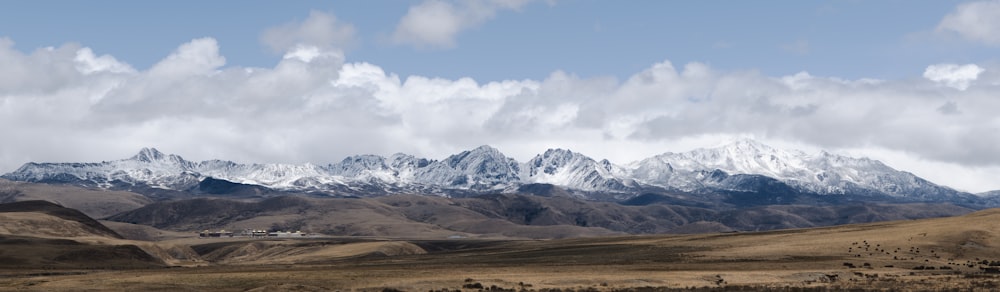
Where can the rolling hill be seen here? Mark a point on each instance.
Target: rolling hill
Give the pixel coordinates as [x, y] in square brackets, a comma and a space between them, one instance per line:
[952, 253]
[43, 235]
[96, 203]
[502, 216]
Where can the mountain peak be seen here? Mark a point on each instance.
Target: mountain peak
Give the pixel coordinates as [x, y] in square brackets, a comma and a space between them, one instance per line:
[747, 145]
[558, 151]
[477, 155]
[484, 152]
[554, 153]
[485, 168]
[485, 149]
[148, 154]
[554, 157]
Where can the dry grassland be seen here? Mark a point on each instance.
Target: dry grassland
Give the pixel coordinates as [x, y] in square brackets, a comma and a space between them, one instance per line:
[932, 254]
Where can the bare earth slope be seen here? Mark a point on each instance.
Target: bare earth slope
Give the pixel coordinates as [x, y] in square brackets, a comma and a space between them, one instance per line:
[395, 216]
[41, 234]
[928, 254]
[43, 218]
[96, 203]
[502, 216]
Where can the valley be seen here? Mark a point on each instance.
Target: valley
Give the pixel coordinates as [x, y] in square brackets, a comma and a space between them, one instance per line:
[744, 216]
[501, 216]
[499, 146]
[928, 254]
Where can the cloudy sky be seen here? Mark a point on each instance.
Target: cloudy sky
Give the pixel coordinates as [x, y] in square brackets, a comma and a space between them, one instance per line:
[912, 83]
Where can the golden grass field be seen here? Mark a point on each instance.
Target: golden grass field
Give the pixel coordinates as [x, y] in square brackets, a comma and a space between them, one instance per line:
[883, 256]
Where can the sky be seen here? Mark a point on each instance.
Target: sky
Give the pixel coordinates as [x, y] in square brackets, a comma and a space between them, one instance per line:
[914, 84]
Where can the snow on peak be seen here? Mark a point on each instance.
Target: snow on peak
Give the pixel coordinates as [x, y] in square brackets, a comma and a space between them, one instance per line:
[743, 156]
[482, 168]
[747, 145]
[148, 154]
[566, 168]
[487, 169]
[484, 151]
[357, 163]
[822, 172]
[482, 159]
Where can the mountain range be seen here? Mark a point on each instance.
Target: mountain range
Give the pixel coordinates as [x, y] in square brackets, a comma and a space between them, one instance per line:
[742, 170]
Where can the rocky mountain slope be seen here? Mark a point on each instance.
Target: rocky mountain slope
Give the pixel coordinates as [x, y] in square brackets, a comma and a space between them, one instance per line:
[742, 167]
[821, 173]
[517, 216]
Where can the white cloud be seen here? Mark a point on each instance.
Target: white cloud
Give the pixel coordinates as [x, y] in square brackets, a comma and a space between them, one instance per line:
[88, 63]
[321, 30]
[953, 75]
[976, 21]
[436, 23]
[307, 53]
[66, 104]
[22, 73]
[198, 57]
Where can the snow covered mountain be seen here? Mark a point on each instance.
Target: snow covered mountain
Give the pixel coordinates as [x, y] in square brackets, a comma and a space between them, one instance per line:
[483, 168]
[745, 166]
[821, 173]
[574, 170]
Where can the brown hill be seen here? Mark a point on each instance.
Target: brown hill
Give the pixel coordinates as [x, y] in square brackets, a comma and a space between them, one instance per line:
[402, 216]
[898, 252]
[43, 218]
[257, 252]
[26, 253]
[43, 235]
[96, 203]
[510, 216]
[940, 254]
[143, 232]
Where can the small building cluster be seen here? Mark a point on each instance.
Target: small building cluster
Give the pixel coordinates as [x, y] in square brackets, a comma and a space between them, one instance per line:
[265, 233]
[286, 234]
[252, 233]
[220, 233]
